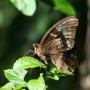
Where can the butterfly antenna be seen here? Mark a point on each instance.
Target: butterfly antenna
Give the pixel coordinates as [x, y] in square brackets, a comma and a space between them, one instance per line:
[27, 36]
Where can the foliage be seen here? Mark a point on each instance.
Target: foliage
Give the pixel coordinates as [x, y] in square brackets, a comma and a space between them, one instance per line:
[28, 7]
[17, 75]
[64, 6]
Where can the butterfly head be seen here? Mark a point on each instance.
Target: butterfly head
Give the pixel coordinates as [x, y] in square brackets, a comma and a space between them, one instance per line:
[37, 49]
[35, 45]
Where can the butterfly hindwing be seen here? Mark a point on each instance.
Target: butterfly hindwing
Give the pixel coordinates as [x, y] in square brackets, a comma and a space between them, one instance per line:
[57, 61]
[62, 59]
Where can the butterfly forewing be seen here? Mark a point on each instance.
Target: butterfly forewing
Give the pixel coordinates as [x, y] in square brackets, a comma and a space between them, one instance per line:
[64, 29]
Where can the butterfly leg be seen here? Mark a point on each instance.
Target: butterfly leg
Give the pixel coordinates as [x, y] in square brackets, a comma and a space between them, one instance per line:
[28, 52]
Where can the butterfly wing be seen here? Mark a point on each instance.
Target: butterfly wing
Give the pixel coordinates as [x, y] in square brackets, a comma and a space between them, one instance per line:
[62, 59]
[64, 29]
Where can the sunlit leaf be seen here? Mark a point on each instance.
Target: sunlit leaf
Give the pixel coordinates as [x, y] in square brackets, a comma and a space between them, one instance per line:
[8, 86]
[37, 84]
[27, 7]
[27, 62]
[16, 77]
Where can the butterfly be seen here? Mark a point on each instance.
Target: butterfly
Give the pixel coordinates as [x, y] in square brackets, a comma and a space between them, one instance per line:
[57, 44]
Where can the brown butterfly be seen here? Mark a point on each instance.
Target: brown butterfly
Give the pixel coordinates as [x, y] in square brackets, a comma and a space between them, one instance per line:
[57, 44]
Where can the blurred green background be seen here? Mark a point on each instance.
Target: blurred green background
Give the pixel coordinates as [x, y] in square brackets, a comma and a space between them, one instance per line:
[13, 44]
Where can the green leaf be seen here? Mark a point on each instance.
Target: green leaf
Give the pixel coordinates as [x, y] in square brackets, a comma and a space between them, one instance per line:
[8, 86]
[27, 7]
[46, 86]
[19, 88]
[37, 84]
[55, 73]
[27, 62]
[16, 77]
[65, 7]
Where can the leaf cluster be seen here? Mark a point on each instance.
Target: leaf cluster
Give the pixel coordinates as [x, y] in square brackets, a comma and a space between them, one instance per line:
[28, 7]
[17, 75]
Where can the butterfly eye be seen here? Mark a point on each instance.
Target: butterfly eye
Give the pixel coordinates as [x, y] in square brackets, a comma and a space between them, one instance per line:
[35, 45]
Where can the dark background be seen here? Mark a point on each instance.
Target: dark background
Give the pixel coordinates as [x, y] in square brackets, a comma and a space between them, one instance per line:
[13, 44]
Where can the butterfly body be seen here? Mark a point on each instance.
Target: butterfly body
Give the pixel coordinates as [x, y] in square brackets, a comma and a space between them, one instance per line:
[58, 43]
[39, 51]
